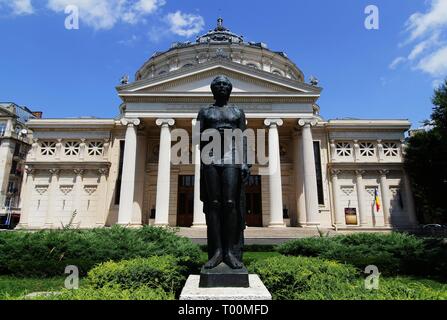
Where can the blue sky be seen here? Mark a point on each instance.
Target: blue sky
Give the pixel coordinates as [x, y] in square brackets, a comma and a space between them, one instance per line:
[386, 73]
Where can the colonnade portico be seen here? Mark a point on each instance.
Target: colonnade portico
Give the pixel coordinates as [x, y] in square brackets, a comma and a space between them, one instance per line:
[164, 168]
[382, 189]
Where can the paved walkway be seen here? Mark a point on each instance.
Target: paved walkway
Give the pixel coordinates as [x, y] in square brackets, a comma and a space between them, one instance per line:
[258, 235]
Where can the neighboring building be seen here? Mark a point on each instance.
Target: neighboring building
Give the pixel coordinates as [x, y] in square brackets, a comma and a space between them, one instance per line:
[14, 145]
[118, 171]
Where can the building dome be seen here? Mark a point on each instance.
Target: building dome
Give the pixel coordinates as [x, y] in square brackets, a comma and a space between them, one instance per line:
[220, 43]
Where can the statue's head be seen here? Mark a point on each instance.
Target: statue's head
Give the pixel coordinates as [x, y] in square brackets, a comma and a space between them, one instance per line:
[221, 88]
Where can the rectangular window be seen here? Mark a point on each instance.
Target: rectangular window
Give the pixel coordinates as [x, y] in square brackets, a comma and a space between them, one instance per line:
[2, 128]
[14, 167]
[319, 172]
[120, 173]
[11, 187]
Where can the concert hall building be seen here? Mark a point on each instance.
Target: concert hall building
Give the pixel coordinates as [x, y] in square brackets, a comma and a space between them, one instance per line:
[339, 174]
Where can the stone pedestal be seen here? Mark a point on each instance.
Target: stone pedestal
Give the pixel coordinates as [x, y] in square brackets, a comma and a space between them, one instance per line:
[256, 291]
[223, 276]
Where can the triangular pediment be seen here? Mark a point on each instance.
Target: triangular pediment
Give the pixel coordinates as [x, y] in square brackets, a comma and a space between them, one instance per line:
[196, 80]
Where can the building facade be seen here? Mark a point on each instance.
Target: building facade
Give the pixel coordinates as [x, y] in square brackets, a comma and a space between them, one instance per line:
[326, 173]
[14, 145]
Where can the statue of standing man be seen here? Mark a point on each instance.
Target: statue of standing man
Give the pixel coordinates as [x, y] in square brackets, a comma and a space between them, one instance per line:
[223, 177]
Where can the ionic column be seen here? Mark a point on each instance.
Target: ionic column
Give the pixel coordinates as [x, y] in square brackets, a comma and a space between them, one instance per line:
[128, 176]
[102, 203]
[385, 199]
[360, 198]
[164, 173]
[52, 197]
[310, 174]
[25, 198]
[199, 217]
[409, 200]
[275, 183]
[299, 180]
[340, 220]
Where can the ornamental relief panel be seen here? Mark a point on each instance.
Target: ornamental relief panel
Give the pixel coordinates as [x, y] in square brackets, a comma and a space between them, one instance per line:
[41, 189]
[70, 149]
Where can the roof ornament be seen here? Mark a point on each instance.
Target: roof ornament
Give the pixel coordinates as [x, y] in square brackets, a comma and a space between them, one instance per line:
[124, 79]
[314, 81]
[220, 53]
[220, 24]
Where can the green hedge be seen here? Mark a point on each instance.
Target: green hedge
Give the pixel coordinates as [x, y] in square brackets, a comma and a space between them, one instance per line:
[304, 278]
[393, 254]
[154, 272]
[47, 253]
[301, 278]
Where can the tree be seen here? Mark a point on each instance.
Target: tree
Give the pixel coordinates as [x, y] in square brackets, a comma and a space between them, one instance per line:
[426, 163]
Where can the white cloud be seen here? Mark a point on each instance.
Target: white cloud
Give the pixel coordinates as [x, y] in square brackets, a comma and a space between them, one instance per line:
[104, 14]
[419, 24]
[425, 35]
[393, 65]
[185, 24]
[18, 7]
[435, 64]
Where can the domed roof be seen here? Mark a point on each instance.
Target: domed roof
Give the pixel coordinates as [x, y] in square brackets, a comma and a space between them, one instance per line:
[220, 42]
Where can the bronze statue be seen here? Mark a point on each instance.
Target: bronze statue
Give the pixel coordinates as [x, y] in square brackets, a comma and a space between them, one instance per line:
[221, 186]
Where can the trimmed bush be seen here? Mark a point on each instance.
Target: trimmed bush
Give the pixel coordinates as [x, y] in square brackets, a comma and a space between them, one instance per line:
[47, 253]
[110, 293]
[154, 272]
[393, 254]
[303, 278]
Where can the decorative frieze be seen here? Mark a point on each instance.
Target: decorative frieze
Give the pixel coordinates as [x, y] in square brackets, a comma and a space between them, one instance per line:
[66, 189]
[41, 189]
[347, 190]
[90, 189]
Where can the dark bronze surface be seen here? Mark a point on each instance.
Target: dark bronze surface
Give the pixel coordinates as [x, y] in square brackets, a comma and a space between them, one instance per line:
[222, 187]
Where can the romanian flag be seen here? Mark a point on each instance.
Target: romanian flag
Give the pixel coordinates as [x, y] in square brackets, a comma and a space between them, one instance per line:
[376, 199]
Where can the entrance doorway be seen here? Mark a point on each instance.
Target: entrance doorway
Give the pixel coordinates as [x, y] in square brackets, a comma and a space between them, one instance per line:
[185, 203]
[253, 217]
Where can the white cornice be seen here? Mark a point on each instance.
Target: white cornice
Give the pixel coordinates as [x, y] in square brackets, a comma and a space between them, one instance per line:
[72, 123]
[227, 65]
[365, 124]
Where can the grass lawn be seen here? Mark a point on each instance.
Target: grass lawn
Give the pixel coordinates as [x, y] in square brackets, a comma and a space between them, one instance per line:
[13, 287]
[248, 257]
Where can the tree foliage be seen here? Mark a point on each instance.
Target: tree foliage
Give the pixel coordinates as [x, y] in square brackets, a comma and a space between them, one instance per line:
[426, 163]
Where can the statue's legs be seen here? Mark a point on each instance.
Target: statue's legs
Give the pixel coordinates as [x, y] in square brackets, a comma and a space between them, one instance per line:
[231, 183]
[214, 220]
